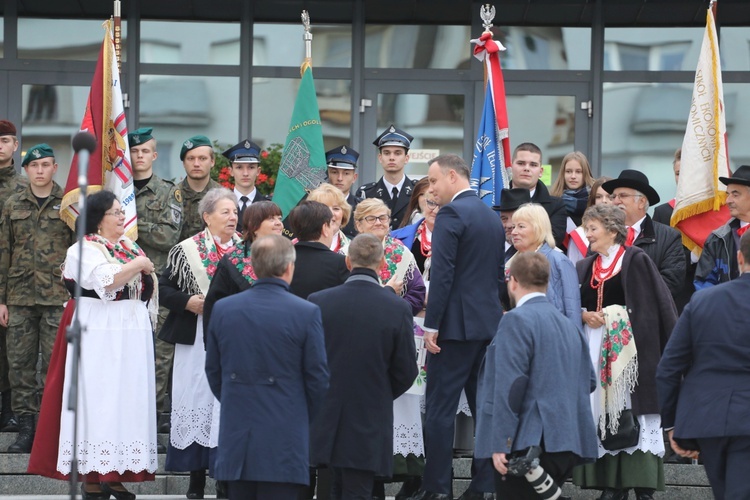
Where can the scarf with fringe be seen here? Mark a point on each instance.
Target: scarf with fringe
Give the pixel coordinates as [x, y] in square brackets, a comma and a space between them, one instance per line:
[399, 262]
[193, 262]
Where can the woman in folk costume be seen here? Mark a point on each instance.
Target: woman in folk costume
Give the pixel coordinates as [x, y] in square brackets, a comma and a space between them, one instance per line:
[578, 244]
[333, 198]
[401, 273]
[628, 315]
[234, 273]
[116, 435]
[191, 265]
[417, 236]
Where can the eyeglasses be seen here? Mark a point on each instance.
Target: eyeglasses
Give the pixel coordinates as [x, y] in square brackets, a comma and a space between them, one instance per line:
[370, 219]
[116, 213]
[623, 196]
[431, 205]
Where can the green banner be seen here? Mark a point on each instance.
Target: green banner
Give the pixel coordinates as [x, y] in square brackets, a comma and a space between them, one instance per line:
[303, 161]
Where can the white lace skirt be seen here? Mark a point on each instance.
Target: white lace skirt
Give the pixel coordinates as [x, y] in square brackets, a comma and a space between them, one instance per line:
[650, 439]
[192, 399]
[116, 395]
[407, 426]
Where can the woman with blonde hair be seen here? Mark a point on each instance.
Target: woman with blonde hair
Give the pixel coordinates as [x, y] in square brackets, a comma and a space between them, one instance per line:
[333, 198]
[533, 233]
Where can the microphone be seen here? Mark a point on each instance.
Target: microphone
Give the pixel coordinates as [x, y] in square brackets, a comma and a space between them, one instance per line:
[83, 144]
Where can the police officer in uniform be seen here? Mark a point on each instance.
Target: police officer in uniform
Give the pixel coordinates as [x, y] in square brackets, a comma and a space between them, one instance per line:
[342, 173]
[197, 156]
[244, 161]
[158, 203]
[10, 182]
[394, 188]
[33, 243]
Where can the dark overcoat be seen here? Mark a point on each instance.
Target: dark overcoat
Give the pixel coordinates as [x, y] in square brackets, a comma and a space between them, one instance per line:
[317, 268]
[371, 354]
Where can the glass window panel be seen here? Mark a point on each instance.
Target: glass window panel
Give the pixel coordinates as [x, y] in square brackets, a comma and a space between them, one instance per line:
[436, 121]
[282, 45]
[2, 36]
[179, 107]
[52, 114]
[273, 102]
[652, 49]
[176, 42]
[448, 47]
[69, 39]
[735, 49]
[644, 123]
[552, 129]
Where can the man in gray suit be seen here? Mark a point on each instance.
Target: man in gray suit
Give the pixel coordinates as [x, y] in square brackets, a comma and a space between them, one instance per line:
[535, 386]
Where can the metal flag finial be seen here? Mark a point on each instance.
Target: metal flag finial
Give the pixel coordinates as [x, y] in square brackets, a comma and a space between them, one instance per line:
[487, 13]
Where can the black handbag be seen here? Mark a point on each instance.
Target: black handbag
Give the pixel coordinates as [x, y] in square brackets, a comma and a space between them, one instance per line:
[627, 434]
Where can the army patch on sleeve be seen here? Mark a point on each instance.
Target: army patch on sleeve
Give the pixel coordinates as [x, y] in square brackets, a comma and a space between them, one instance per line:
[178, 195]
[176, 211]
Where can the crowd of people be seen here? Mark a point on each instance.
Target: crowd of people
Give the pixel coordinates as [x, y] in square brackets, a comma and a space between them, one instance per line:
[562, 317]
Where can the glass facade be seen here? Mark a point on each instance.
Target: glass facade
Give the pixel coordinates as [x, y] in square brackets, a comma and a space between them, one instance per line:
[164, 42]
[282, 45]
[66, 39]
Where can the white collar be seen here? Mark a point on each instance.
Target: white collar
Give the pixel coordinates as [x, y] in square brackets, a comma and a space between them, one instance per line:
[637, 226]
[390, 186]
[250, 195]
[462, 191]
[528, 297]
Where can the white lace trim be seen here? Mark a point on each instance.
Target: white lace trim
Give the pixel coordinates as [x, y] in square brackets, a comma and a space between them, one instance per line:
[407, 439]
[191, 425]
[104, 275]
[650, 440]
[106, 456]
[463, 404]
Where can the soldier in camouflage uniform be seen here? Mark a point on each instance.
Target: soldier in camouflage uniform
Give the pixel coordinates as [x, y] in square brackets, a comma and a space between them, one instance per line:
[10, 182]
[159, 206]
[33, 243]
[197, 157]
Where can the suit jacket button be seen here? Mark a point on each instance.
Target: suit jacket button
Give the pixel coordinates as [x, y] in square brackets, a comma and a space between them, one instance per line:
[233, 376]
[271, 379]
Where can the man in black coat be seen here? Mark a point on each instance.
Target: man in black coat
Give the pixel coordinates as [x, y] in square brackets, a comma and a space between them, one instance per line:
[369, 341]
[526, 169]
[316, 267]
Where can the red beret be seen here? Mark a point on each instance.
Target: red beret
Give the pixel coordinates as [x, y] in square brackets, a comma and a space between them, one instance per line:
[7, 128]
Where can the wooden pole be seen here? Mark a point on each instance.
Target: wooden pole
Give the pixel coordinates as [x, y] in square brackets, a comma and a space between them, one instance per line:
[117, 33]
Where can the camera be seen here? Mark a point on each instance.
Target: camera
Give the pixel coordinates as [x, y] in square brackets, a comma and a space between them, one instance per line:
[526, 463]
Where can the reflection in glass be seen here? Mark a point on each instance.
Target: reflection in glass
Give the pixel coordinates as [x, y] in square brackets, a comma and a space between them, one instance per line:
[436, 121]
[735, 48]
[69, 39]
[643, 124]
[2, 37]
[652, 49]
[173, 42]
[448, 47]
[282, 45]
[52, 114]
[273, 102]
[179, 107]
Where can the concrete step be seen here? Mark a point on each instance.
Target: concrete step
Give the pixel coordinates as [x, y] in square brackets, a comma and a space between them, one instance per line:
[8, 438]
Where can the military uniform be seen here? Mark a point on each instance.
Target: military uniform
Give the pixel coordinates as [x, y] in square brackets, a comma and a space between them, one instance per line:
[33, 244]
[10, 182]
[159, 208]
[192, 222]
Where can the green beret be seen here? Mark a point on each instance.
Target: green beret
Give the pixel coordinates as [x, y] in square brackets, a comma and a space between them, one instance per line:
[138, 137]
[194, 142]
[37, 152]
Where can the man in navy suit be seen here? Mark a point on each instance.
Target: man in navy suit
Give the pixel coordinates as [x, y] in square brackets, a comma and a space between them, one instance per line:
[535, 385]
[703, 381]
[266, 364]
[463, 311]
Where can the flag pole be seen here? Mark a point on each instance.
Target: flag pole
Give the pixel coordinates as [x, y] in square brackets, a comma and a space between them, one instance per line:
[118, 32]
[307, 63]
[487, 13]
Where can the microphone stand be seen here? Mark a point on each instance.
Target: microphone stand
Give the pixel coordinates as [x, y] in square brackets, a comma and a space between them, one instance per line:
[75, 330]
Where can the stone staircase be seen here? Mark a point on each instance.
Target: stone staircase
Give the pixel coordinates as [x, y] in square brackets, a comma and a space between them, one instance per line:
[684, 482]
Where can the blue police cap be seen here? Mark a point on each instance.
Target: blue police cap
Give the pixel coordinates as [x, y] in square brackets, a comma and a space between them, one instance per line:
[244, 152]
[342, 157]
[393, 137]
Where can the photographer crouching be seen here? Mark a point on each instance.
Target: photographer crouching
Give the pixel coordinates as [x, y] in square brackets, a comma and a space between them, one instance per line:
[533, 398]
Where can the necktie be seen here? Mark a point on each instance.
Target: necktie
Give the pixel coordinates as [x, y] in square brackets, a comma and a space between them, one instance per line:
[630, 238]
[742, 230]
[394, 197]
[244, 200]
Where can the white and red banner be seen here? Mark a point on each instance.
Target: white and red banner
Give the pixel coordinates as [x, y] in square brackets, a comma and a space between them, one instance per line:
[699, 203]
[109, 165]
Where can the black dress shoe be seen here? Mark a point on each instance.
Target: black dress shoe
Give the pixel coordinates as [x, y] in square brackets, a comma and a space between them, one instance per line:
[644, 494]
[92, 495]
[410, 487]
[118, 491]
[197, 484]
[612, 494]
[476, 495]
[428, 495]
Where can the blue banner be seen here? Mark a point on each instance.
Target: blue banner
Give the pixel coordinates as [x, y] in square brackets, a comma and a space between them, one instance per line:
[486, 176]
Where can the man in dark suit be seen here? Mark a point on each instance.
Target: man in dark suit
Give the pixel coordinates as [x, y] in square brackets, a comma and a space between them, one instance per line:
[370, 345]
[510, 200]
[394, 188]
[526, 170]
[342, 172]
[316, 267]
[266, 364]
[703, 381]
[535, 385]
[244, 162]
[462, 315]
